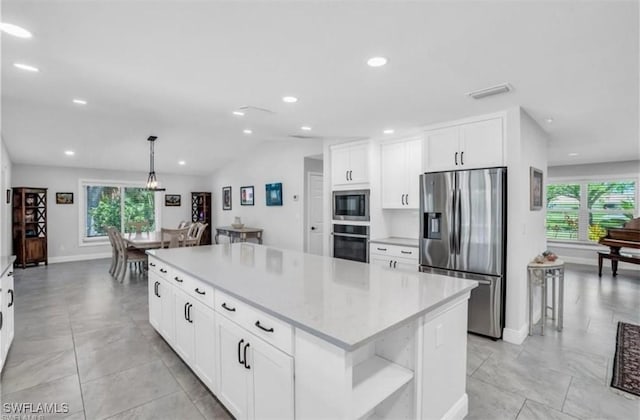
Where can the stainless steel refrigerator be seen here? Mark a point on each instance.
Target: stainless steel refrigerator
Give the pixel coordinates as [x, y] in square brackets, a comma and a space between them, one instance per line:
[463, 234]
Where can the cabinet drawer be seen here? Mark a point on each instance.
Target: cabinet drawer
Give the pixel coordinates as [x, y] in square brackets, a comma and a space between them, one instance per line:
[158, 267]
[267, 327]
[394, 251]
[200, 290]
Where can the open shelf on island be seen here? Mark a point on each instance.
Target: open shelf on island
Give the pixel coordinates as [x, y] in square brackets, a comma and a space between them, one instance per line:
[374, 380]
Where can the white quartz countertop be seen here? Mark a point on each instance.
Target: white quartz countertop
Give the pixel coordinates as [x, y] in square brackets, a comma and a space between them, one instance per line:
[6, 262]
[344, 302]
[396, 241]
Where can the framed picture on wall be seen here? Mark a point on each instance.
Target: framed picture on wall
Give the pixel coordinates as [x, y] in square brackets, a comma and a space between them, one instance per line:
[172, 200]
[536, 188]
[226, 198]
[64, 198]
[246, 196]
[274, 194]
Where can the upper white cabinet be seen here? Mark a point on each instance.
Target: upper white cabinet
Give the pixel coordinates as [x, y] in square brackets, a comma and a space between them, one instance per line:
[400, 173]
[467, 145]
[350, 163]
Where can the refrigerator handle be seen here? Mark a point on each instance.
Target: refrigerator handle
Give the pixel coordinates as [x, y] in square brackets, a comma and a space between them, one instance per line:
[452, 230]
[458, 212]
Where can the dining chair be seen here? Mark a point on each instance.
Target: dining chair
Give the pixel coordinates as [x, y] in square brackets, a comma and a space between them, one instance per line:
[199, 233]
[183, 224]
[173, 238]
[114, 250]
[191, 234]
[127, 256]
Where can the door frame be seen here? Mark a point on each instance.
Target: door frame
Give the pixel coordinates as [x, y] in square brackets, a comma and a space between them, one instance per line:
[307, 204]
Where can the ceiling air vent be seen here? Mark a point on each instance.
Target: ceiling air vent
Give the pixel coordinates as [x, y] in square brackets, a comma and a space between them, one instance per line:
[249, 108]
[493, 90]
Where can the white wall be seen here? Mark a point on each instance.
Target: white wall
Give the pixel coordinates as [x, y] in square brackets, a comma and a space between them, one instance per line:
[63, 220]
[527, 145]
[586, 253]
[5, 208]
[281, 161]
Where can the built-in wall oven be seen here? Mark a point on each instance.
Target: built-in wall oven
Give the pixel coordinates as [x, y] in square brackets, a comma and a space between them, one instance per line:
[351, 205]
[351, 242]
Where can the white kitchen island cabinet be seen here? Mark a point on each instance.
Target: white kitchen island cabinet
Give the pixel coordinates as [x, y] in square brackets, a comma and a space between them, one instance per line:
[302, 336]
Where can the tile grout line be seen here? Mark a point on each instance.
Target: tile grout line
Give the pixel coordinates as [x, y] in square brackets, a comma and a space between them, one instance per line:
[521, 407]
[566, 394]
[75, 354]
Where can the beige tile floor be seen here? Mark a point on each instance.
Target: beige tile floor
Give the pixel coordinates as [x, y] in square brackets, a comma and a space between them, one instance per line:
[84, 339]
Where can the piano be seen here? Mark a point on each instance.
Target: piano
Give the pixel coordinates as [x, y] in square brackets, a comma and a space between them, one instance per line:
[626, 237]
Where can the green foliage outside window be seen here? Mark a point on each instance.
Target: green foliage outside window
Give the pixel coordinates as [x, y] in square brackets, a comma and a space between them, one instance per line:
[104, 208]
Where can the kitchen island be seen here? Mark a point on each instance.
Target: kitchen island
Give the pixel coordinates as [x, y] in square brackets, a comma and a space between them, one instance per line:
[282, 334]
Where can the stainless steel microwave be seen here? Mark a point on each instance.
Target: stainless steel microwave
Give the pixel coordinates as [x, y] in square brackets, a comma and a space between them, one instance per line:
[351, 205]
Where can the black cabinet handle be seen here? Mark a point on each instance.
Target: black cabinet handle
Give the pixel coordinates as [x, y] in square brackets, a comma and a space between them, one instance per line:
[406, 199]
[461, 158]
[228, 308]
[178, 279]
[239, 347]
[162, 270]
[381, 249]
[246, 365]
[346, 175]
[1, 320]
[407, 252]
[152, 264]
[185, 311]
[350, 175]
[189, 313]
[394, 264]
[390, 262]
[200, 292]
[263, 328]
[11, 303]
[402, 199]
[456, 158]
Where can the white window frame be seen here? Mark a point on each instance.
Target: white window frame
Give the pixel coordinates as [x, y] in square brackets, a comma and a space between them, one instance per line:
[583, 212]
[82, 219]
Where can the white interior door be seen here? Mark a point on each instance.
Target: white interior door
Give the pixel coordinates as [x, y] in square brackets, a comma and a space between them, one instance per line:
[315, 226]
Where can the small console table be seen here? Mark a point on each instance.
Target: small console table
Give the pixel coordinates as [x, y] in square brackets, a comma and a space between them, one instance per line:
[538, 274]
[239, 235]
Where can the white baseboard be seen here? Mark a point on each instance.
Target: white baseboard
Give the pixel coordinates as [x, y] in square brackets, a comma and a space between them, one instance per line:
[515, 336]
[594, 262]
[459, 410]
[82, 257]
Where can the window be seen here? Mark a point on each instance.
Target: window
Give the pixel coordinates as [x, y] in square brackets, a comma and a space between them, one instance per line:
[583, 211]
[124, 206]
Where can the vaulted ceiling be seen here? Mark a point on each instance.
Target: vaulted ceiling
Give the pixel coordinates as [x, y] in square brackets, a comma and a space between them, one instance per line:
[177, 69]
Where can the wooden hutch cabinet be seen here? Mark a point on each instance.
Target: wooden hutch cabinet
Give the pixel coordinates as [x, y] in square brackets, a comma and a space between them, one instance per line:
[30, 225]
[201, 212]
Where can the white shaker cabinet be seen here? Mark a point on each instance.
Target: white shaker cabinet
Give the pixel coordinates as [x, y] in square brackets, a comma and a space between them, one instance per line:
[7, 303]
[350, 164]
[465, 145]
[400, 170]
[255, 379]
[161, 306]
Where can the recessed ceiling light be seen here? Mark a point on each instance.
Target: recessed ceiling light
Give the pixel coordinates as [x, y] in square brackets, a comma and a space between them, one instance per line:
[305, 128]
[377, 61]
[79, 102]
[290, 99]
[26, 67]
[389, 131]
[238, 113]
[549, 120]
[69, 152]
[247, 131]
[572, 154]
[182, 162]
[14, 30]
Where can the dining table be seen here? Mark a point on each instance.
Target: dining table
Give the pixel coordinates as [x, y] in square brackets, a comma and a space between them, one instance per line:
[148, 240]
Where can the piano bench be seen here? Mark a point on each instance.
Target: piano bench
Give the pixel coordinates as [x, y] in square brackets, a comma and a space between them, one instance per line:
[614, 261]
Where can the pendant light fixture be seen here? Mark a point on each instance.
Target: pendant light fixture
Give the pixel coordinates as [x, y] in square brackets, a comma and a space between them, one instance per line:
[152, 182]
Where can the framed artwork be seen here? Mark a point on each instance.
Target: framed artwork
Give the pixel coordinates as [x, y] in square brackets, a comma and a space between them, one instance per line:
[8, 196]
[246, 196]
[64, 198]
[536, 188]
[226, 198]
[172, 200]
[274, 194]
